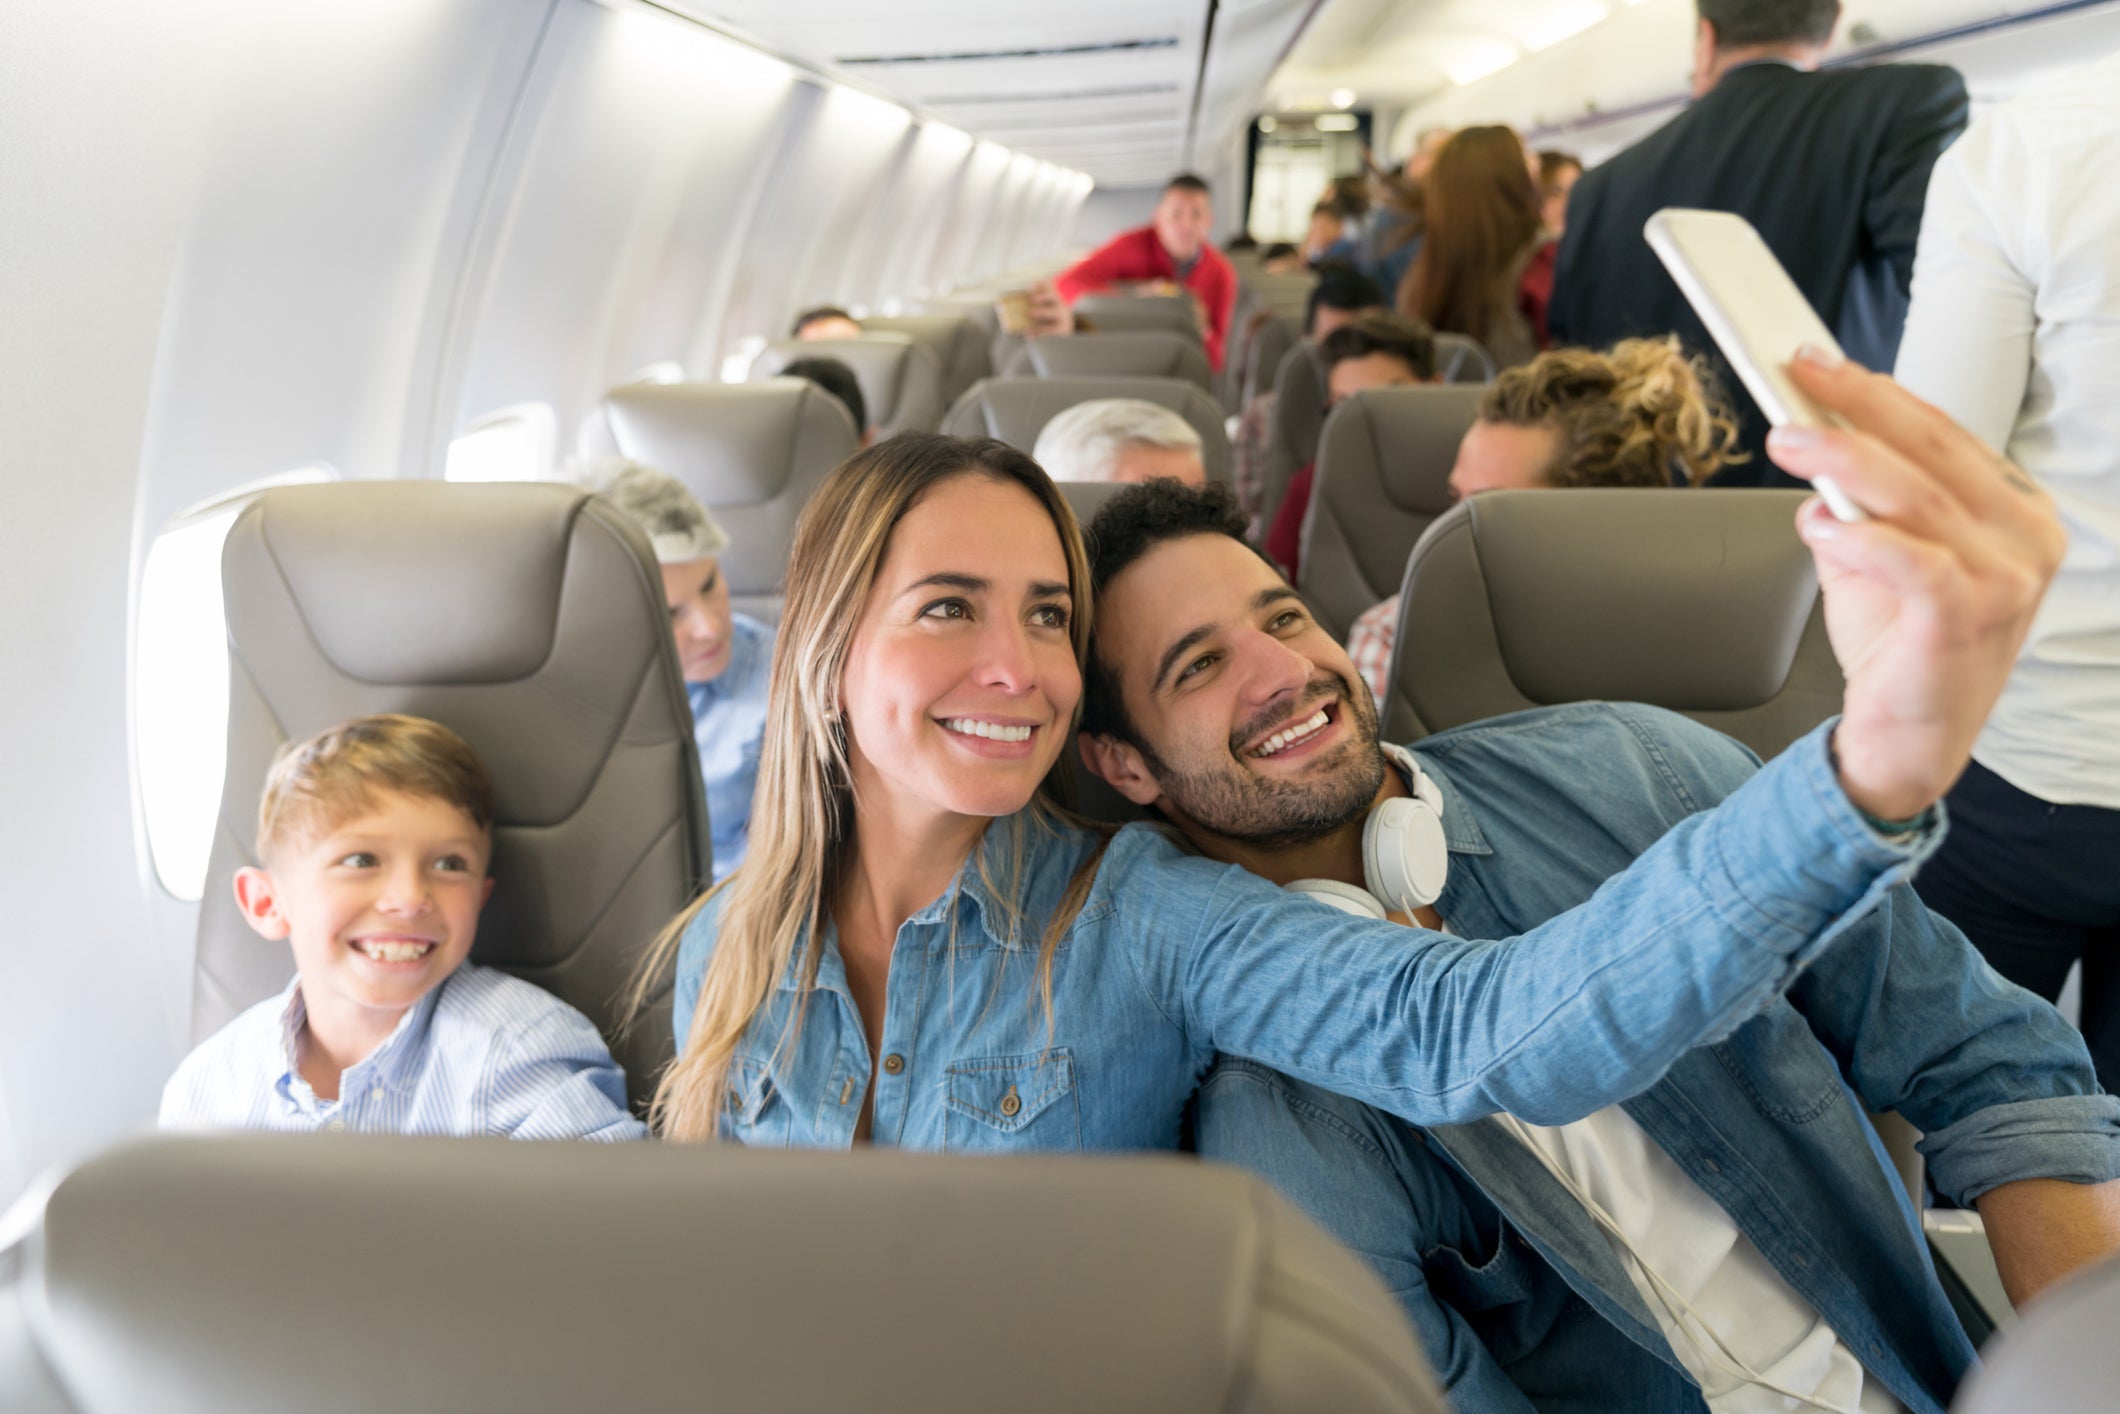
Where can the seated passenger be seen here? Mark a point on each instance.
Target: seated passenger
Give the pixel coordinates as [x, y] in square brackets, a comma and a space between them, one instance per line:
[1328, 240]
[1169, 254]
[1642, 415]
[723, 655]
[375, 836]
[826, 322]
[1378, 350]
[923, 952]
[1281, 258]
[1738, 1202]
[838, 380]
[1120, 439]
[1339, 295]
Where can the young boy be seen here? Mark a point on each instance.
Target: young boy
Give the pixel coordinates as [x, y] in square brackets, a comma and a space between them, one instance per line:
[375, 835]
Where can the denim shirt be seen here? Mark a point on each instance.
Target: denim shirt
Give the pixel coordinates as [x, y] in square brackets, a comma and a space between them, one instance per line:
[1173, 958]
[1501, 1270]
[729, 725]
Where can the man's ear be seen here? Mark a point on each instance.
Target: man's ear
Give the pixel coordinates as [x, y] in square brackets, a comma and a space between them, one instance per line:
[1121, 767]
[259, 900]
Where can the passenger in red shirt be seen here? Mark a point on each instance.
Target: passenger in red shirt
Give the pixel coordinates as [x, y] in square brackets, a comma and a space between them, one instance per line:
[1173, 251]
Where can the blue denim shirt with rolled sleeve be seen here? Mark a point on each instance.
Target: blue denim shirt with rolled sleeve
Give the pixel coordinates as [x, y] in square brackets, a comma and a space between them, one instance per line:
[729, 727]
[1498, 1266]
[1174, 958]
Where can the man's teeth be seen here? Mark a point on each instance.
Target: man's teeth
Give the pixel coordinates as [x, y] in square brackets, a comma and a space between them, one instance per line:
[992, 731]
[1288, 736]
[393, 951]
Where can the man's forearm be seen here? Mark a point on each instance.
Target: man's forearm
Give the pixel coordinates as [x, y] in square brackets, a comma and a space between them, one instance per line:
[2042, 1229]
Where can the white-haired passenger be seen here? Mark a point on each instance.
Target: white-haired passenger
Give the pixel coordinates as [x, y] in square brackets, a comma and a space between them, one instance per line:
[725, 656]
[1120, 439]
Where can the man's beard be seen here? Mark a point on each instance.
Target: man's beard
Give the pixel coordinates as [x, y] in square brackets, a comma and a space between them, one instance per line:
[1270, 814]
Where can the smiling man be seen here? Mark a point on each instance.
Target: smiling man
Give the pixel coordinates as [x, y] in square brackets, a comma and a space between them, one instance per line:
[1172, 252]
[1728, 1239]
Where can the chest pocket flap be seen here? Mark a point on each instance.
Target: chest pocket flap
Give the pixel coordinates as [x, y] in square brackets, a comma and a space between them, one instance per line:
[1009, 1092]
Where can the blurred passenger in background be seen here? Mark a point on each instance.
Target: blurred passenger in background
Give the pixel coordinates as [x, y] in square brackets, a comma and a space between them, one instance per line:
[2015, 331]
[1392, 237]
[1557, 174]
[1327, 239]
[1171, 252]
[1643, 414]
[1485, 269]
[826, 322]
[724, 656]
[838, 380]
[1120, 439]
[1376, 350]
[1281, 258]
[1831, 168]
[1340, 294]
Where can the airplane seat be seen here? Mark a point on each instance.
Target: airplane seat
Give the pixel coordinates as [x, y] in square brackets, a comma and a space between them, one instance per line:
[1139, 353]
[751, 452]
[1272, 338]
[1383, 476]
[1118, 314]
[245, 1273]
[1015, 410]
[1292, 428]
[1244, 317]
[958, 342]
[900, 380]
[1704, 602]
[1459, 358]
[2059, 1359]
[529, 618]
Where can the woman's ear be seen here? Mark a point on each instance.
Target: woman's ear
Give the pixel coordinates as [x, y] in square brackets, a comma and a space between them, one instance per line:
[258, 898]
[1121, 767]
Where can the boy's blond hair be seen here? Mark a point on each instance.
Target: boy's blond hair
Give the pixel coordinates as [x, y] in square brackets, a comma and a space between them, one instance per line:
[331, 777]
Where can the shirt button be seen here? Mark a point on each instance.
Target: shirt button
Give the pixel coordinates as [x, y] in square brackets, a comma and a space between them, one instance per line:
[1011, 1103]
[893, 1063]
[1800, 1260]
[336, 1124]
[1711, 1166]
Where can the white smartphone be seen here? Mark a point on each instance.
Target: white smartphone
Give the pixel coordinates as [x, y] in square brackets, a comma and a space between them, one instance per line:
[1757, 315]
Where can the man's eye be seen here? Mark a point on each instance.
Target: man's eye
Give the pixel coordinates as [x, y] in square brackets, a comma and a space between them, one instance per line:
[359, 859]
[947, 609]
[1288, 618]
[1197, 665]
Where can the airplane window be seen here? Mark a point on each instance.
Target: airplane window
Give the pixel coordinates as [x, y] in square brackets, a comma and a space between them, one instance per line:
[180, 685]
[667, 370]
[737, 366]
[514, 444]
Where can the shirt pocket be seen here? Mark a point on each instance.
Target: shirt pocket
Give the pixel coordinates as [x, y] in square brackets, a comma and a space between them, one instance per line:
[1012, 1102]
[758, 1115]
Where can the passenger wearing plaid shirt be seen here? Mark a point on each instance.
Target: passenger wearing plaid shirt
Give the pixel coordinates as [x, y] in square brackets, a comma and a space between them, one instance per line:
[1643, 414]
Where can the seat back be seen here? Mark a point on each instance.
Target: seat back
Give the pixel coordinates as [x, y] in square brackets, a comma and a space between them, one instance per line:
[1118, 314]
[958, 342]
[1272, 337]
[1704, 602]
[751, 452]
[2060, 1359]
[239, 1274]
[1015, 410]
[1141, 353]
[529, 618]
[1292, 429]
[1383, 476]
[1459, 358]
[900, 380]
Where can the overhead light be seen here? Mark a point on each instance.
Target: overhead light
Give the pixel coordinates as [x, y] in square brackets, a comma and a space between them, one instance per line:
[1268, 123]
[1564, 20]
[1338, 122]
[1343, 98]
[1475, 59]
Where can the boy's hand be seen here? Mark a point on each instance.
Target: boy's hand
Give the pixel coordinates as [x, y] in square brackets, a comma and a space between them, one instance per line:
[1928, 601]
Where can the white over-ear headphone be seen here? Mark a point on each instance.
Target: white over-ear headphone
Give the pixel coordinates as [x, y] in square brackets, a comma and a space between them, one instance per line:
[1405, 856]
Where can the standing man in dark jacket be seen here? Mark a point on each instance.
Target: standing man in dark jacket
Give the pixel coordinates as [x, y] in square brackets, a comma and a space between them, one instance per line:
[1831, 167]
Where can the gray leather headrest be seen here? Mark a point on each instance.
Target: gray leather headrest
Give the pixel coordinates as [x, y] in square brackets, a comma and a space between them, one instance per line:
[1384, 461]
[1704, 602]
[900, 381]
[1460, 358]
[530, 619]
[254, 1273]
[1109, 314]
[751, 452]
[958, 342]
[1015, 410]
[1141, 353]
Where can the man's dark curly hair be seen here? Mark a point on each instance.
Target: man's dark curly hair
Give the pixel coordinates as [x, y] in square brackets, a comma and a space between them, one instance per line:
[1132, 523]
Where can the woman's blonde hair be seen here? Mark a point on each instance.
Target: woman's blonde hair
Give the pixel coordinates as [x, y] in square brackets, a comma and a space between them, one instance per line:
[802, 817]
[1642, 414]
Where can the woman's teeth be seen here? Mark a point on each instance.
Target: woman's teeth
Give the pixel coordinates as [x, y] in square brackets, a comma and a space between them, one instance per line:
[393, 951]
[1288, 736]
[992, 731]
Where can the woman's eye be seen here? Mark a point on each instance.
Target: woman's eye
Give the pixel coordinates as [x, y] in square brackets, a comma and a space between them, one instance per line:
[1050, 616]
[452, 864]
[947, 609]
[359, 859]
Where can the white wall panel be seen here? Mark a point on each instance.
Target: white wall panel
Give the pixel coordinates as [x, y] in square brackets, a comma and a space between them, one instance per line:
[916, 209]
